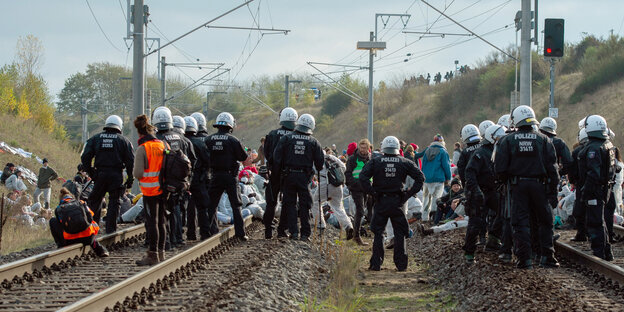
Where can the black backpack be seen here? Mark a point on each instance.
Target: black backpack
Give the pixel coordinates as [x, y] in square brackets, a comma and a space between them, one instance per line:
[74, 216]
[335, 175]
[175, 172]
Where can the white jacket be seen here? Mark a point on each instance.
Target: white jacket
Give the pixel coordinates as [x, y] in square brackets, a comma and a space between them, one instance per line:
[13, 183]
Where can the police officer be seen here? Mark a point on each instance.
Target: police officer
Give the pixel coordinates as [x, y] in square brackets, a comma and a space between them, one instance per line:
[198, 203]
[287, 118]
[597, 169]
[202, 131]
[179, 126]
[389, 172]
[548, 126]
[112, 153]
[177, 142]
[527, 159]
[294, 156]
[579, 209]
[472, 138]
[504, 193]
[484, 125]
[481, 189]
[225, 153]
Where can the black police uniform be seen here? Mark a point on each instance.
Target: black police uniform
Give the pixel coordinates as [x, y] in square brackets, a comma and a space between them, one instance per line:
[464, 157]
[360, 198]
[273, 188]
[579, 209]
[389, 173]
[481, 195]
[197, 209]
[527, 158]
[225, 153]
[294, 156]
[597, 169]
[564, 158]
[504, 193]
[112, 153]
[176, 142]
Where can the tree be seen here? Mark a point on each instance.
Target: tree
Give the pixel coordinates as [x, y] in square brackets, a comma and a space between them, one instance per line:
[29, 55]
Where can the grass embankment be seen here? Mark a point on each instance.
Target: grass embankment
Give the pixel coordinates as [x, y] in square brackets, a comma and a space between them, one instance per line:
[354, 288]
[63, 157]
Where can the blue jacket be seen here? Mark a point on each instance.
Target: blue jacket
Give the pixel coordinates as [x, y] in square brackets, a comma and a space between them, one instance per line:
[435, 164]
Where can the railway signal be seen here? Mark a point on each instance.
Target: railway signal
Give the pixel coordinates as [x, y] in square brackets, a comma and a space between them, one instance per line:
[553, 37]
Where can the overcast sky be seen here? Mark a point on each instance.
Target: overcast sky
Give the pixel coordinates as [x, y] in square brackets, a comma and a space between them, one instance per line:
[321, 31]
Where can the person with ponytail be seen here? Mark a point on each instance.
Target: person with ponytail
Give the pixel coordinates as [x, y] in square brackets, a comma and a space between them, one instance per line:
[147, 164]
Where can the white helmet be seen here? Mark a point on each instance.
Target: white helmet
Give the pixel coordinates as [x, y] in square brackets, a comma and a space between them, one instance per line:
[549, 125]
[178, 122]
[113, 122]
[305, 124]
[581, 123]
[470, 133]
[191, 124]
[288, 116]
[503, 121]
[493, 133]
[582, 135]
[201, 120]
[484, 125]
[162, 118]
[390, 145]
[225, 120]
[596, 127]
[523, 115]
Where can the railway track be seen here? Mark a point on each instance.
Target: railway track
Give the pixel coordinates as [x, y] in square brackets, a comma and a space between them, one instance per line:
[73, 279]
[608, 274]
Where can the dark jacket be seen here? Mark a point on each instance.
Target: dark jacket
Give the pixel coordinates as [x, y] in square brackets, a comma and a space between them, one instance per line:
[597, 169]
[389, 173]
[225, 151]
[270, 142]
[351, 182]
[464, 158]
[111, 150]
[298, 151]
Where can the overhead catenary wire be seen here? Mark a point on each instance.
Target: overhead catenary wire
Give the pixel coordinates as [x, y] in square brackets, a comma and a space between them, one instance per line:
[101, 29]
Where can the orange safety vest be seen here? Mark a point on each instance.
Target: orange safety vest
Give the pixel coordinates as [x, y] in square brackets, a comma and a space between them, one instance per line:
[150, 186]
[93, 229]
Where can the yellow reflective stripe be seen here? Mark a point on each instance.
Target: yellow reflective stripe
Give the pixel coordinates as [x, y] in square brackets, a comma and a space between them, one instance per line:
[147, 184]
[151, 174]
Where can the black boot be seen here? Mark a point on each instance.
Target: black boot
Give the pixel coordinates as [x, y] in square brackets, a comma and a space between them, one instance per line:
[524, 264]
[549, 262]
[350, 233]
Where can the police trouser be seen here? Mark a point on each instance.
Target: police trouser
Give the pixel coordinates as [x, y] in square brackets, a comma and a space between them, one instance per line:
[580, 214]
[529, 196]
[57, 233]
[361, 200]
[175, 218]
[477, 221]
[198, 213]
[608, 215]
[505, 216]
[225, 182]
[272, 197]
[494, 223]
[596, 227]
[295, 186]
[389, 207]
[108, 181]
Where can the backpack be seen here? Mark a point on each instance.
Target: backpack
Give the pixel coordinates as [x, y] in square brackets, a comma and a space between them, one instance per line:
[335, 175]
[73, 216]
[175, 172]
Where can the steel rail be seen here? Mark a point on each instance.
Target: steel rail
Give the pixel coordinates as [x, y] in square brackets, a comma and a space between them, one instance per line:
[109, 297]
[18, 268]
[594, 263]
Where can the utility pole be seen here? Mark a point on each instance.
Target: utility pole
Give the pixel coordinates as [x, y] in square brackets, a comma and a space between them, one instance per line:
[138, 77]
[287, 83]
[83, 114]
[371, 54]
[551, 100]
[148, 103]
[525, 54]
[163, 81]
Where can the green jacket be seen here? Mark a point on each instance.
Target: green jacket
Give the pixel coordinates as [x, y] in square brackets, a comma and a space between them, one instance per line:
[45, 176]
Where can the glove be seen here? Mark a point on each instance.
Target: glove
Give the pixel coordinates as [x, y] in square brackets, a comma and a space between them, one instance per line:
[129, 182]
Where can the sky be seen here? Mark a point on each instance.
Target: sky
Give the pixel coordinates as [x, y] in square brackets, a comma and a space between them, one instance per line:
[320, 31]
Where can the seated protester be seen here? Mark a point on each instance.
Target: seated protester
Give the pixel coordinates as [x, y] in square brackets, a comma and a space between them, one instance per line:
[126, 204]
[459, 220]
[250, 198]
[24, 211]
[7, 172]
[134, 214]
[261, 180]
[444, 202]
[226, 216]
[414, 209]
[563, 211]
[74, 224]
[15, 182]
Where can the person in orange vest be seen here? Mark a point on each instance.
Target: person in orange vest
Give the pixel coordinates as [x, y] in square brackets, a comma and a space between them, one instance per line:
[60, 227]
[147, 164]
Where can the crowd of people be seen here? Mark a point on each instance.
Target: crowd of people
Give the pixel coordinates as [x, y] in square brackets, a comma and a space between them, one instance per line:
[508, 183]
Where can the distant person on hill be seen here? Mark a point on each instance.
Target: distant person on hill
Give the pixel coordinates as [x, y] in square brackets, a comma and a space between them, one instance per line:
[15, 182]
[7, 172]
[46, 174]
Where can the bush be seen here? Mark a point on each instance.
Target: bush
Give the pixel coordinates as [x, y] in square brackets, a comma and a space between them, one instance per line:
[605, 72]
[335, 103]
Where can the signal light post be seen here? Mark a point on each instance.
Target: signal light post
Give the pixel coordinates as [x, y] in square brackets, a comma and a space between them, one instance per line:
[553, 48]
